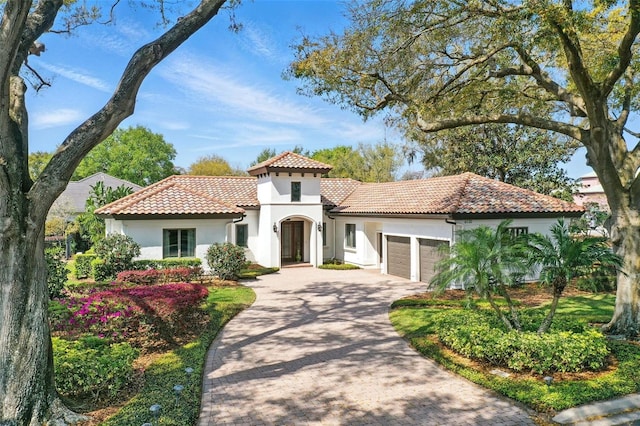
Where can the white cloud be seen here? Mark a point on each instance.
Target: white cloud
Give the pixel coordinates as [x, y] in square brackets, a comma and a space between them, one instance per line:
[78, 76]
[217, 89]
[60, 117]
[257, 41]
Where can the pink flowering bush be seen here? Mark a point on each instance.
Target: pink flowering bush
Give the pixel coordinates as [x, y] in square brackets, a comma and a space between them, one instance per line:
[143, 314]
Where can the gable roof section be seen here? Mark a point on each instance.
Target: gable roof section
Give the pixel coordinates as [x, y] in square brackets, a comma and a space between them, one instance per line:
[188, 195]
[289, 162]
[333, 191]
[457, 196]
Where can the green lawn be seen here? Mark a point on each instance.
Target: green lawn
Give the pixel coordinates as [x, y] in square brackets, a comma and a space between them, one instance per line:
[168, 370]
[413, 323]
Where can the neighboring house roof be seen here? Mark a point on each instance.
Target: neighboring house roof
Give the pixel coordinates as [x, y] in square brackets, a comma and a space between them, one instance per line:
[77, 192]
[461, 195]
[188, 195]
[289, 162]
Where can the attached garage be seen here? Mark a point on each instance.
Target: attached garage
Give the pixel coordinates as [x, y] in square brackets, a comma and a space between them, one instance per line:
[429, 255]
[399, 256]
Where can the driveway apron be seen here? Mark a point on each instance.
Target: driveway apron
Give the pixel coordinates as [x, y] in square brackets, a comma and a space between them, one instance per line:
[317, 348]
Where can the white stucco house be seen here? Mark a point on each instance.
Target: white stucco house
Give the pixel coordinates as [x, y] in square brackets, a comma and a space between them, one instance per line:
[285, 212]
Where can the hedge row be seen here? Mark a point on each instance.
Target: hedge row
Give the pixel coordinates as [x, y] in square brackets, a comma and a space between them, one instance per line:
[475, 335]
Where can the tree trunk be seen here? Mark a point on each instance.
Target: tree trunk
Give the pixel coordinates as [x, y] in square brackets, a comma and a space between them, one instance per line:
[546, 322]
[626, 316]
[26, 360]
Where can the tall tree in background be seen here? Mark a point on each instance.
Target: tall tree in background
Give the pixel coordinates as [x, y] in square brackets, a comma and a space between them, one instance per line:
[562, 66]
[27, 391]
[367, 163]
[37, 162]
[135, 154]
[518, 155]
[92, 227]
[214, 165]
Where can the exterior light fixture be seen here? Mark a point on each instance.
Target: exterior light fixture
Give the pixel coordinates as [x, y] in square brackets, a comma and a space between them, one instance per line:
[275, 228]
[155, 410]
[319, 227]
[189, 371]
[548, 380]
[177, 389]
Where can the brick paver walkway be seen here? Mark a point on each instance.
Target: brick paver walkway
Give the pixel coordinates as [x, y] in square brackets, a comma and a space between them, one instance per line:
[317, 348]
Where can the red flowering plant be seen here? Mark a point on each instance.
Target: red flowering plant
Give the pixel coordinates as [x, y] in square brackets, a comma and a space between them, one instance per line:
[146, 316]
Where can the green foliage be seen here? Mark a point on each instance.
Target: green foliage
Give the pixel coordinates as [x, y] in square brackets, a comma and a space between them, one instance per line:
[91, 367]
[117, 251]
[563, 257]
[37, 162]
[478, 336]
[367, 163]
[83, 265]
[419, 327]
[518, 155]
[254, 271]
[177, 262]
[338, 267]
[226, 260]
[56, 271]
[169, 370]
[214, 165]
[90, 225]
[485, 261]
[101, 271]
[135, 154]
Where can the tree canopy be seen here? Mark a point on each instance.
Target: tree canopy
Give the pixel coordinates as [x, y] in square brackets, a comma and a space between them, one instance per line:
[135, 154]
[564, 66]
[214, 165]
[518, 155]
[366, 163]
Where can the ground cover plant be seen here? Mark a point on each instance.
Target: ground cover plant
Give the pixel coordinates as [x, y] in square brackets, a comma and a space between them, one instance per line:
[420, 320]
[121, 347]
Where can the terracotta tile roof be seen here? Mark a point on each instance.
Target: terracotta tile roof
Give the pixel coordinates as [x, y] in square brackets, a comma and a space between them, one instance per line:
[465, 194]
[289, 161]
[182, 195]
[334, 190]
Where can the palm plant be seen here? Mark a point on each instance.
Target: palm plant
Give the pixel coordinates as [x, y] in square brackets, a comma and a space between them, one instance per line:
[562, 257]
[484, 260]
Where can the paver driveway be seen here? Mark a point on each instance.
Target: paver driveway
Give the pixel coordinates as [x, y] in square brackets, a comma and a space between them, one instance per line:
[317, 348]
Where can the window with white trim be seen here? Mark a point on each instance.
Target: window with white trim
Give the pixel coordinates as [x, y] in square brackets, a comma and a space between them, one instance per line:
[178, 243]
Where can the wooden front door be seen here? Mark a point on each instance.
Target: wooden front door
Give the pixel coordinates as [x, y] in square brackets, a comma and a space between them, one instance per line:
[292, 241]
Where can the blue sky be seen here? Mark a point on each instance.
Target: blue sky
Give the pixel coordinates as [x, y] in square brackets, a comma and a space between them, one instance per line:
[219, 93]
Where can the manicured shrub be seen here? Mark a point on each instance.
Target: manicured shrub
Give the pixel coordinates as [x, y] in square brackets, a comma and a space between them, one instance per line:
[602, 280]
[226, 260]
[153, 276]
[479, 336]
[117, 251]
[182, 262]
[56, 271]
[83, 265]
[338, 266]
[100, 270]
[91, 367]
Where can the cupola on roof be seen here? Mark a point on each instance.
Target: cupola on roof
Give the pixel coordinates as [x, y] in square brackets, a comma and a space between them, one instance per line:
[289, 162]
